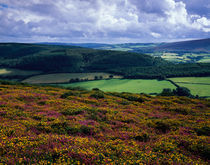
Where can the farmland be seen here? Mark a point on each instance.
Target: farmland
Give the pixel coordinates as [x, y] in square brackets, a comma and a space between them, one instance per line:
[50, 59]
[66, 77]
[125, 85]
[46, 125]
[178, 52]
[197, 85]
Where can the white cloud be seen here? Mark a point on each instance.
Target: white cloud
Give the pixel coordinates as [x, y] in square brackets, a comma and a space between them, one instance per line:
[100, 20]
[156, 35]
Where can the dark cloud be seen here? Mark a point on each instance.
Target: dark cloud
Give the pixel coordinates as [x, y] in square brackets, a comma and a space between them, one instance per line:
[199, 7]
[103, 20]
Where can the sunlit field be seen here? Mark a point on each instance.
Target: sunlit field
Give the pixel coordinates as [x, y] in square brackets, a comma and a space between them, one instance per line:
[125, 85]
[197, 85]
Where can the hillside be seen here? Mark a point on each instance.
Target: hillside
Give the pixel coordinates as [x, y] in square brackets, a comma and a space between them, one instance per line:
[70, 59]
[179, 52]
[44, 125]
[202, 45]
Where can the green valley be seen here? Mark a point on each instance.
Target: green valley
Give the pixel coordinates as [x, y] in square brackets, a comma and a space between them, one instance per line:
[125, 85]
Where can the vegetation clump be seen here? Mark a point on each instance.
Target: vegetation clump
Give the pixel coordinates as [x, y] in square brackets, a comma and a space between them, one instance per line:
[97, 94]
[179, 91]
[38, 126]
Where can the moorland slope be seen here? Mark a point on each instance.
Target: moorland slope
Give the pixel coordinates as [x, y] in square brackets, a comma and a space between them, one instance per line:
[44, 125]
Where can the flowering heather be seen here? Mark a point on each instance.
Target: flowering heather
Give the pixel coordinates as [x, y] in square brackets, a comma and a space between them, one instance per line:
[45, 125]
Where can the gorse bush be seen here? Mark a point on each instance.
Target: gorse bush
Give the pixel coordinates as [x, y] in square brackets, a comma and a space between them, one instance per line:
[70, 93]
[143, 137]
[38, 126]
[72, 111]
[98, 95]
[203, 131]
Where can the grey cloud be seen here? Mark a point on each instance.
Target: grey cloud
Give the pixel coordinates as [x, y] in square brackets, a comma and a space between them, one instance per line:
[101, 20]
[199, 7]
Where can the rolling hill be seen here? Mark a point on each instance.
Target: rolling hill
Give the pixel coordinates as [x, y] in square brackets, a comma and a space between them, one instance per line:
[178, 52]
[73, 59]
[202, 45]
[69, 58]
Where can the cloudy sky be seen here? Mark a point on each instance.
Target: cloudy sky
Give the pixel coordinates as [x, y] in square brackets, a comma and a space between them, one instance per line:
[105, 21]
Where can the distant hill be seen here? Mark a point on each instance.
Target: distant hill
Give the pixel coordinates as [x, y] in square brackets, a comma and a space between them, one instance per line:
[202, 45]
[179, 52]
[71, 59]
[85, 45]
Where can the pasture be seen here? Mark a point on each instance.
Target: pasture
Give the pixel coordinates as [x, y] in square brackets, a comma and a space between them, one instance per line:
[124, 85]
[197, 85]
[66, 77]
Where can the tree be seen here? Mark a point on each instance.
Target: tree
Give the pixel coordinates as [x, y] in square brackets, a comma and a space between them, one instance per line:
[111, 76]
[96, 77]
[167, 92]
[182, 91]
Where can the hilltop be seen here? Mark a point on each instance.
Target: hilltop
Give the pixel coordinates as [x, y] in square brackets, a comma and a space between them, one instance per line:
[43, 125]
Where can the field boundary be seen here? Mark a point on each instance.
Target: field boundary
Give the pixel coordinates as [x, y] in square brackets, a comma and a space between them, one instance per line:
[193, 83]
[172, 82]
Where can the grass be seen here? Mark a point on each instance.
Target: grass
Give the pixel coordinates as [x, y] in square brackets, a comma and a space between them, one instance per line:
[197, 85]
[125, 85]
[64, 77]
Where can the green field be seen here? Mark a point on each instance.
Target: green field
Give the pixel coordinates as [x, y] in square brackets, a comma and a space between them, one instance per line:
[65, 77]
[125, 85]
[197, 85]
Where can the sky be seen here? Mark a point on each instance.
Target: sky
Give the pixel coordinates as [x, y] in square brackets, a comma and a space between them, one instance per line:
[103, 21]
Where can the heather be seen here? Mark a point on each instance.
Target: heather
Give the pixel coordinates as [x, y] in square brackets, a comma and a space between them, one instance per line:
[44, 125]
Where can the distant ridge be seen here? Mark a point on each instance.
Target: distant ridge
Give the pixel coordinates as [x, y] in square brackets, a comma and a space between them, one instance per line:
[192, 45]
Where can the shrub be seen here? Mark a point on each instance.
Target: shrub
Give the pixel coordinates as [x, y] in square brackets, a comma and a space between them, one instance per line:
[72, 112]
[76, 88]
[143, 137]
[164, 147]
[63, 128]
[96, 89]
[182, 91]
[179, 91]
[200, 148]
[98, 95]
[164, 125]
[203, 131]
[130, 97]
[167, 92]
[70, 93]
[86, 130]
